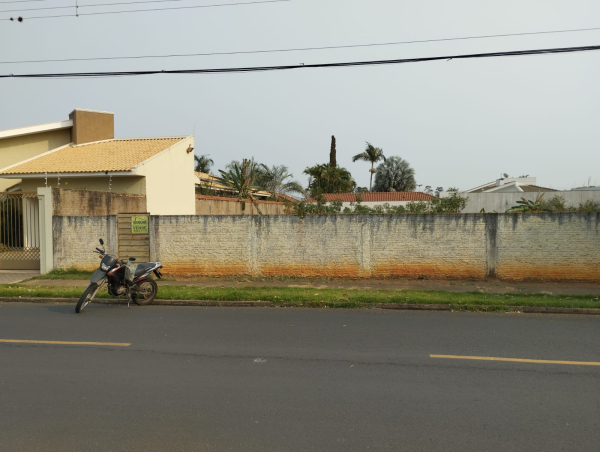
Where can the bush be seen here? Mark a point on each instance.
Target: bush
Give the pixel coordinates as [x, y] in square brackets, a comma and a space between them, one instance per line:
[452, 204]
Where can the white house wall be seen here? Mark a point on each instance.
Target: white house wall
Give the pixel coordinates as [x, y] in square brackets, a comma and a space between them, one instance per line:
[501, 202]
[170, 181]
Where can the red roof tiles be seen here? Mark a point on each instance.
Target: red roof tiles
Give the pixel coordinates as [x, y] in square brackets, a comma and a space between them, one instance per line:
[378, 196]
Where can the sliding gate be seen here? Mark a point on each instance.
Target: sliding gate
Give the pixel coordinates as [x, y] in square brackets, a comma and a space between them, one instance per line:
[19, 231]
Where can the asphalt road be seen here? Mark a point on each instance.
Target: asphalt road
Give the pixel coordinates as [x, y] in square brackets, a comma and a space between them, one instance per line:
[276, 379]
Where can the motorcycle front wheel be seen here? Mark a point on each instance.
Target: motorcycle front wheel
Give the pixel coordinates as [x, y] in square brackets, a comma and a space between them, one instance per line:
[145, 292]
[86, 297]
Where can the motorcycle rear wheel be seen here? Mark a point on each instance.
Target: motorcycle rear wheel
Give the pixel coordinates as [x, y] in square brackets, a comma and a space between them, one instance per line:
[86, 298]
[145, 293]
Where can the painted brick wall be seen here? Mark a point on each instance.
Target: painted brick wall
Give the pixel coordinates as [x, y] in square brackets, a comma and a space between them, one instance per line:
[549, 246]
[76, 238]
[214, 205]
[95, 203]
[510, 246]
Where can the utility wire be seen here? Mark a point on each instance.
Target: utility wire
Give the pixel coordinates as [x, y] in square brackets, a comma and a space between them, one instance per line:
[307, 66]
[86, 6]
[146, 10]
[299, 49]
[24, 1]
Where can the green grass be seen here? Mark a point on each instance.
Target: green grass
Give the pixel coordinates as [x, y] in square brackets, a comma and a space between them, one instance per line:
[331, 298]
[69, 273]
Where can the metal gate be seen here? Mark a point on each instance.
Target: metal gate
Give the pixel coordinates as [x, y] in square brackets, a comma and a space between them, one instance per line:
[19, 231]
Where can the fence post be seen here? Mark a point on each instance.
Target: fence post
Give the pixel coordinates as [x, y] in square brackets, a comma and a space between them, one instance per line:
[44, 195]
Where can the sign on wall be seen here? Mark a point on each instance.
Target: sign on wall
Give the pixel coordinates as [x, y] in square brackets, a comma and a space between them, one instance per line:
[139, 224]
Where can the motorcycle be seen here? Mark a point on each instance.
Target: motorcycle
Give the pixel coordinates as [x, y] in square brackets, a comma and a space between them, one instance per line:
[122, 279]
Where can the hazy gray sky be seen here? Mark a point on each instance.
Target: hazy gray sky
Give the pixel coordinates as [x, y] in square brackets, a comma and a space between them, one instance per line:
[459, 123]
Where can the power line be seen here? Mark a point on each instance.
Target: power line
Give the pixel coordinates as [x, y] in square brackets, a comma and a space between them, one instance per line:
[309, 66]
[86, 6]
[299, 49]
[147, 10]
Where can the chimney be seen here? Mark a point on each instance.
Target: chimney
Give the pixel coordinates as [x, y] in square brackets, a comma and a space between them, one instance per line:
[90, 126]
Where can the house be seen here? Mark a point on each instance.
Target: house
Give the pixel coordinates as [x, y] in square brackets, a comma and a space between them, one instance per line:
[209, 184]
[372, 199]
[82, 153]
[510, 185]
[501, 195]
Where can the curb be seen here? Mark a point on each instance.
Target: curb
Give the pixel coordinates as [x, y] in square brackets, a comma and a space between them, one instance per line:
[266, 304]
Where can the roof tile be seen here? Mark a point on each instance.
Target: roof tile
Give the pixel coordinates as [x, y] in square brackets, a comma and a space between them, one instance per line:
[378, 196]
[109, 155]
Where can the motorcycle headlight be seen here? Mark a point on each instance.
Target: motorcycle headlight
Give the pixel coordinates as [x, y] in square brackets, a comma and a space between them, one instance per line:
[104, 267]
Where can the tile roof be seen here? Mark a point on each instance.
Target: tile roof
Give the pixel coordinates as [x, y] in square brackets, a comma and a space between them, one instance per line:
[525, 188]
[378, 196]
[109, 155]
[535, 188]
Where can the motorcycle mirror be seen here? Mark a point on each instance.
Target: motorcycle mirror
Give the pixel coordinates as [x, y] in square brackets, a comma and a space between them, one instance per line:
[101, 242]
[132, 259]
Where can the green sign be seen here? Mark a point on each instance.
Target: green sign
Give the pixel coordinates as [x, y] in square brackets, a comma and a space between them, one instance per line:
[139, 224]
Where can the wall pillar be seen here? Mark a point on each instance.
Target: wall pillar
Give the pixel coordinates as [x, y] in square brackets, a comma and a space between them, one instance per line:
[44, 195]
[491, 245]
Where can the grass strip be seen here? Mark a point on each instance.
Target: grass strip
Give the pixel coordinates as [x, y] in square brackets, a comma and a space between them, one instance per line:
[331, 298]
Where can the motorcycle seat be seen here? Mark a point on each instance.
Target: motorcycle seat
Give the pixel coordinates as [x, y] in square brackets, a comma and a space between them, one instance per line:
[143, 268]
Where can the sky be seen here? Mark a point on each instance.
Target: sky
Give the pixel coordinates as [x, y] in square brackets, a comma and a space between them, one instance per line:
[459, 123]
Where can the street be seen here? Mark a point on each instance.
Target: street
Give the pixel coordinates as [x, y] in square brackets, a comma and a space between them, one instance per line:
[292, 379]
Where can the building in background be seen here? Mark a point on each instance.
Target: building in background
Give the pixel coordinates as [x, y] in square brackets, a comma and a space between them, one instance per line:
[372, 199]
[82, 153]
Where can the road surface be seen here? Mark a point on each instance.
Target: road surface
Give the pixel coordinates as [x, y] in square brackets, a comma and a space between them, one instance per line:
[276, 379]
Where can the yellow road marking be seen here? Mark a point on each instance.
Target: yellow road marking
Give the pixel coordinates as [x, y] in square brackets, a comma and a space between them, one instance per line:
[518, 360]
[18, 341]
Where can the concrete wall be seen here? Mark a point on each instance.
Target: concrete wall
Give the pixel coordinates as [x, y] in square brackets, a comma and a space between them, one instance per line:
[16, 149]
[76, 238]
[215, 205]
[508, 246]
[95, 203]
[135, 185]
[170, 180]
[501, 202]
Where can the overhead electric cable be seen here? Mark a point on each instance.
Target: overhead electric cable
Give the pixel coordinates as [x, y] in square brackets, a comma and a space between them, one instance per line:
[300, 49]
[151, 9]
[87, 6]
[24, 1]
[308, 66]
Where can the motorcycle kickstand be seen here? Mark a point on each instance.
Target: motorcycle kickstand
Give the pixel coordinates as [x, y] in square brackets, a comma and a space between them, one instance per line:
[128, 300]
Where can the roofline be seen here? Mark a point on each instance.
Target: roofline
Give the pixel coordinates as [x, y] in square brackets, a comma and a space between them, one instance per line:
[29, 130]
[477, 188]
[514, 182]
[66, 175]
[130, 139]
[92, 111]
[135, 167]
[100, 173]
[34, 157]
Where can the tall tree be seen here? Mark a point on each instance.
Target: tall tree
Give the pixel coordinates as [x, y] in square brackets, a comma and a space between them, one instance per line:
[373, 155]
[395, 174]
[277, 181]
[203, 163]
[332, 153]
[326, 179]
[241, 179]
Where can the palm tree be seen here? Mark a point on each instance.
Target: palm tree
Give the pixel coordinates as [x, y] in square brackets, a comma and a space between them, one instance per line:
[241, 179]
[395, 174]
[276, 181]
[203, 163]
[326, 179]
[370, 154]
